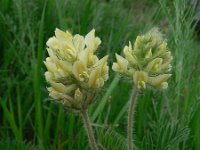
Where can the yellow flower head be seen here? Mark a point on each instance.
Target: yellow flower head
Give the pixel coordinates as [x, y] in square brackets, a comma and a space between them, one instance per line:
[147, 62]
[74, 72]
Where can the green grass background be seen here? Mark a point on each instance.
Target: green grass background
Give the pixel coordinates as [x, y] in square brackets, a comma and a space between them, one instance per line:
[164, 120]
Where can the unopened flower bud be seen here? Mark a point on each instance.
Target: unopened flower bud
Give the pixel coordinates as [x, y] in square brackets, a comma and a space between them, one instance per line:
[149, 62]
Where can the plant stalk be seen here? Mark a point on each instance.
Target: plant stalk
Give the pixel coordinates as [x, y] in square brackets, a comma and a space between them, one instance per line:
[131, 118]
[89, 130]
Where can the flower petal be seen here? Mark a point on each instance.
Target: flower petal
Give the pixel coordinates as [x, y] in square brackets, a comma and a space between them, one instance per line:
[159, 81]
[121, 64]
[91, 41]
[140, 79]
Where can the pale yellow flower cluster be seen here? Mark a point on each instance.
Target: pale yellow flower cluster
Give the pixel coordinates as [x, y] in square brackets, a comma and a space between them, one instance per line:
[148, 62]
[74, 72]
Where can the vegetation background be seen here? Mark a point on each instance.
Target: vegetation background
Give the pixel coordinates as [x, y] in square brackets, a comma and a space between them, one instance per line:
[29, 120]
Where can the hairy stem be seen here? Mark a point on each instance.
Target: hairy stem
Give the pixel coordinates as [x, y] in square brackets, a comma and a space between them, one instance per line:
[131, 118]
[89, 130]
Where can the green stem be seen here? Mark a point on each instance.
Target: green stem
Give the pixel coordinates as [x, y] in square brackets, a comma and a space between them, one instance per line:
[89, 130]
[131, 118]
